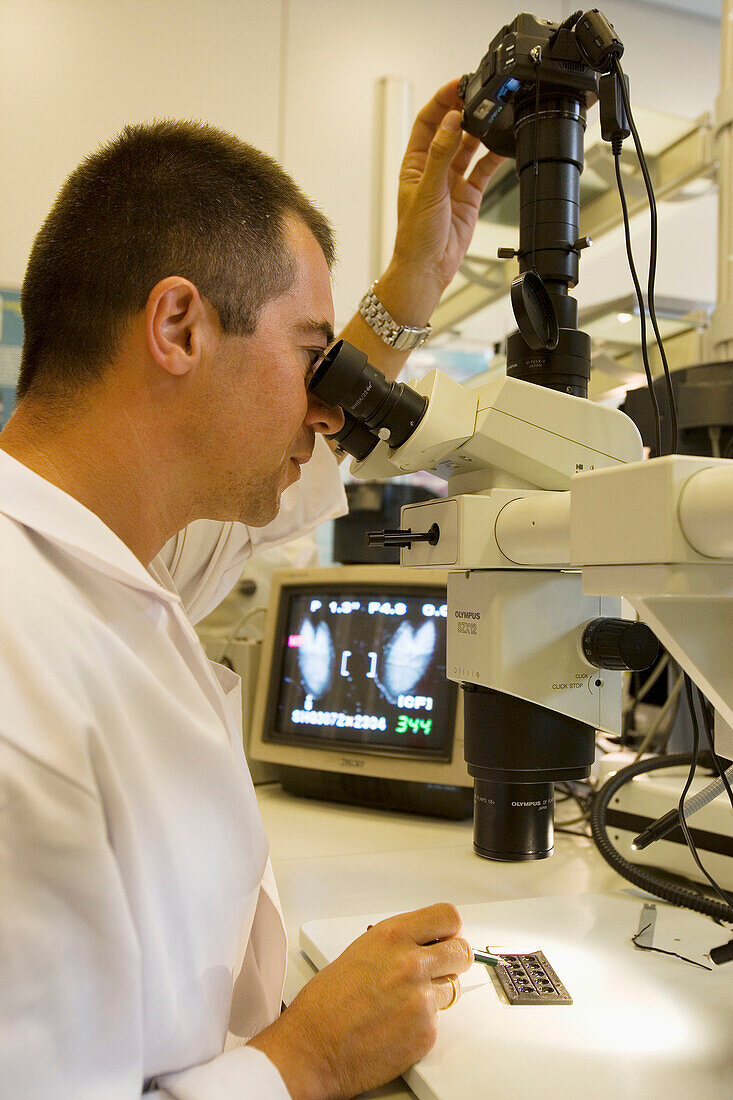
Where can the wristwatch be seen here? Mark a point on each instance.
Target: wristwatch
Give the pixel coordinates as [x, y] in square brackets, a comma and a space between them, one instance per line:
[399, 337]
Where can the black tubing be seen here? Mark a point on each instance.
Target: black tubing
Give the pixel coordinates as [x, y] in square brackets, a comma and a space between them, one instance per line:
[644, 877]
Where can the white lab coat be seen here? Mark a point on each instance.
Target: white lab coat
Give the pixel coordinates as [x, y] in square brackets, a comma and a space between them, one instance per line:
[141, 939]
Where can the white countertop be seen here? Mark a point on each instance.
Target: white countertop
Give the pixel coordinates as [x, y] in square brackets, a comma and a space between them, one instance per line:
[338, 860]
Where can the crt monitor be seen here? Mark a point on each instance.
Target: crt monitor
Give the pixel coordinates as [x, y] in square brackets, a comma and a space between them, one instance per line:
[352, 699]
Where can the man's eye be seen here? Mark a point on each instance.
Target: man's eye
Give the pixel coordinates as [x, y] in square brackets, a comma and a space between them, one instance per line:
[315, 356]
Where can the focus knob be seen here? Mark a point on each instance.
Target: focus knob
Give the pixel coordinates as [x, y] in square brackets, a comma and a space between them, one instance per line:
[404, 538]
[618, 643]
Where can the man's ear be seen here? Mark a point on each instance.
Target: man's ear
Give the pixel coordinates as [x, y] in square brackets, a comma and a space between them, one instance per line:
[176, 324]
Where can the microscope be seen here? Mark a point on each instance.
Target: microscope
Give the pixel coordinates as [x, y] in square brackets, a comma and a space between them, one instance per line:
[551, 515]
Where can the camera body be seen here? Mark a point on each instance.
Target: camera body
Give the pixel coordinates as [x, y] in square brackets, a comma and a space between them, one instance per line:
[526, 51]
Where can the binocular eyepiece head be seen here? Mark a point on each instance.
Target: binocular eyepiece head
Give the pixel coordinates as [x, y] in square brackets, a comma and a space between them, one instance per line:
[374, 408]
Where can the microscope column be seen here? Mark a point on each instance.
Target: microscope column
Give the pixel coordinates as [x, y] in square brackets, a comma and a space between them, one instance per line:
[549, 164]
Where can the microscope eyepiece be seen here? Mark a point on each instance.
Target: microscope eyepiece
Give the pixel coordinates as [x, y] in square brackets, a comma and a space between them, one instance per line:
[374, 407]
[354, 438]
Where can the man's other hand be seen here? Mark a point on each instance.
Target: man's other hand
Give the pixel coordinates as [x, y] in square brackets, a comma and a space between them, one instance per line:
[440, 195]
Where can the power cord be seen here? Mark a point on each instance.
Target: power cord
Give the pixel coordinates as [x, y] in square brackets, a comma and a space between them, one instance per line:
[617, 122]
[725, 897]
[582, 794]
[616, 149]
[536, 167]
[648, 683]
[653, 242]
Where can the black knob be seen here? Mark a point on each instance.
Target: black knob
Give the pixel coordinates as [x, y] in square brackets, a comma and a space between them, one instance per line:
[722, 954]
[403, 538]
[618, 643]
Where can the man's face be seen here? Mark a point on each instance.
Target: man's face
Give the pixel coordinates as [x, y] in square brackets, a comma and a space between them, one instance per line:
[266, 421]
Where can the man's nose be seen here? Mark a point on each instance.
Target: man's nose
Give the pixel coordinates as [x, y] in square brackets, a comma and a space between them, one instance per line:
[323, 418]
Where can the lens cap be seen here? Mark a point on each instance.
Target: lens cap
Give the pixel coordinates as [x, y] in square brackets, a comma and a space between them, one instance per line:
[534, 312]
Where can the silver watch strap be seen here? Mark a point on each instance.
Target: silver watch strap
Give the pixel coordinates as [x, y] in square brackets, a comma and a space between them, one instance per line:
[400, 337]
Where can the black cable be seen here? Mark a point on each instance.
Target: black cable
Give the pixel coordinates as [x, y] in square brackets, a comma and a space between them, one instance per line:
[645, 877]
[680, 809]
[707, 725]
[661, 951]
[639, 297]
[724, 953]
[536, 159]
[664, 740]
[569, 793]
[674, 427]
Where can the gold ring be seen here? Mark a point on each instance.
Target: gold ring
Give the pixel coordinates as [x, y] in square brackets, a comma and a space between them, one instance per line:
[456, 992]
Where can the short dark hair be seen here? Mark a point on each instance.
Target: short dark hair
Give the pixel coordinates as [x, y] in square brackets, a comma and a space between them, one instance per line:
[162, 198]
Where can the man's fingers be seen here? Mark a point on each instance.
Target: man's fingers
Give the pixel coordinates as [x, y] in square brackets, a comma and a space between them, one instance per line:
[445, 99]
[446, 991]
[483, 170]
[442, 151]
[432, 114]
[452, 956]
[462, 159]
[426, 926]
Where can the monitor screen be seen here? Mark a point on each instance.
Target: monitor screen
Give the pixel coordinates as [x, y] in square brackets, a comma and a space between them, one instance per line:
[359, 665]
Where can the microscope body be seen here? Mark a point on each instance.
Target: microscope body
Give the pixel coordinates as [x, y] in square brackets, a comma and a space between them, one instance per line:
[517, 611]
[551, 516]
[516, 604]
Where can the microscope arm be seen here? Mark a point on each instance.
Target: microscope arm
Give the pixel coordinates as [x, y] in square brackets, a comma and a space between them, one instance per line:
[669, 552]
[660, 534]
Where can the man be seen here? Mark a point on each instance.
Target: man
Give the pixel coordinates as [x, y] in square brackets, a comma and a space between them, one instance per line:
[175, 303]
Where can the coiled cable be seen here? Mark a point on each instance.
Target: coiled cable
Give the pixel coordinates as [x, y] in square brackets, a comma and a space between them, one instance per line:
[645, 877]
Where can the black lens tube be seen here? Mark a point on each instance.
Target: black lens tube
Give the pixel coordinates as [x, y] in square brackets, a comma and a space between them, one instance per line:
[388, 410]
[549, 152]
[516, 751]
[513, 822]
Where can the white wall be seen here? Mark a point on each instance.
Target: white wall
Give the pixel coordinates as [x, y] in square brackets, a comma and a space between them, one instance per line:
[333, 63]
[295, 77]
[73, 72]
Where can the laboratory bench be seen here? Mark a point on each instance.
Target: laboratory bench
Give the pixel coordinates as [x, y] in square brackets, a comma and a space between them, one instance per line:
[339, 860]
